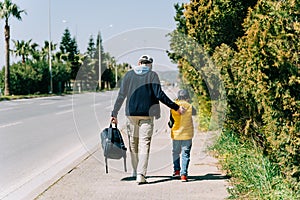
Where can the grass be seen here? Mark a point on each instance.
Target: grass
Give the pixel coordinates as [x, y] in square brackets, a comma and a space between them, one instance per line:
[253, 175]
[29, 96]
[14, 97]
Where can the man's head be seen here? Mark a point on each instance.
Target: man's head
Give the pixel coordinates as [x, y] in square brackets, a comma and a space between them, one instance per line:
[183, 95]
[145, 60]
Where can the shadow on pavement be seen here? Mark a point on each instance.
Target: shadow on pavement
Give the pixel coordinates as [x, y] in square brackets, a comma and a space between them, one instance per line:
[170, 178]
[208, 177]
[161, 179]
[131, 178]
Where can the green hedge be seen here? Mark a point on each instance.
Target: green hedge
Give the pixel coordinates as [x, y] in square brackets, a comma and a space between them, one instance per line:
[34, 78]
[258, 67]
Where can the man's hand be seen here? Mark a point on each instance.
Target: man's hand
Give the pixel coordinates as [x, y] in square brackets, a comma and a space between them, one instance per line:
[181, 110]
[114, 120]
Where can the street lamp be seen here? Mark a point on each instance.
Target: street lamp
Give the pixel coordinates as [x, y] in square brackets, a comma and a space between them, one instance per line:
[116, 73]
[99, 60]
[50, 61]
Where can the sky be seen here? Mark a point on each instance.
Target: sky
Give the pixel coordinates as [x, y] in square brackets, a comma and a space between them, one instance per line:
[135, 26]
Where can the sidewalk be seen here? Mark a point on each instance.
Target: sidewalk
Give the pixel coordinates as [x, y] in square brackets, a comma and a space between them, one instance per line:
[89, 181]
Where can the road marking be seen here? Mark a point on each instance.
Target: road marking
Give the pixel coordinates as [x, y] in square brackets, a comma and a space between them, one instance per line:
[63, 112]
[97, 104]
[25, 101]
[28, 103]
[5, 109]
[65, 105]
[10, 124]
[47, 103]
[108, 108]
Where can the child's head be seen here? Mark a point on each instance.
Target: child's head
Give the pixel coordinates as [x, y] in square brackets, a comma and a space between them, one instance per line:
[183, 95]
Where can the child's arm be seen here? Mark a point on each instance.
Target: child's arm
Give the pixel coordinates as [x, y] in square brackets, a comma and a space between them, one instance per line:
[194, 111]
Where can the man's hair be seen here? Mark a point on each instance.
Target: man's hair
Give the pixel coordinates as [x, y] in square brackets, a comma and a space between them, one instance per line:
[145, 59]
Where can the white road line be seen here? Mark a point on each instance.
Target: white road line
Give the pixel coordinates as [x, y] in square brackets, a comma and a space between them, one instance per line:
[96, 104]
[65, 105]
[63, 112]
[10, 124]
[110, 107]
[4, 109]
[47, 103]
[25, 101]
[28, 103]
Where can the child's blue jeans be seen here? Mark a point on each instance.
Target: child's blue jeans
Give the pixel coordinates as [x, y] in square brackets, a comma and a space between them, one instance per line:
[182, 147]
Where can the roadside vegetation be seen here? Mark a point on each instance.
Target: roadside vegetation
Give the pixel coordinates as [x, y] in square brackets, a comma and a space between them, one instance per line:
[253, 175]
[241, 60]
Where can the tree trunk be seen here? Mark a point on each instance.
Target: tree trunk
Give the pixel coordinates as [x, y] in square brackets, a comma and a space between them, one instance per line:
[7, 70]
[23, 59]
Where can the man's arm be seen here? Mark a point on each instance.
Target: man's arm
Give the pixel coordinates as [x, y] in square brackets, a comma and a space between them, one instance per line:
[120, 99]
[161, 96]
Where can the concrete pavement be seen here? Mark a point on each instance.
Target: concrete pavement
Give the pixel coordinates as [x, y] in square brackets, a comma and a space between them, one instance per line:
[88, 179]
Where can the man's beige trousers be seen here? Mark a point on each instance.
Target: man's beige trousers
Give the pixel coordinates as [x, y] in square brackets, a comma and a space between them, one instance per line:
[139, 130]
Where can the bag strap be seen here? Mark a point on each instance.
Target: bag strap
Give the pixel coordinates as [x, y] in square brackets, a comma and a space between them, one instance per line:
[124, 159]
[110, 134]
[106, 167]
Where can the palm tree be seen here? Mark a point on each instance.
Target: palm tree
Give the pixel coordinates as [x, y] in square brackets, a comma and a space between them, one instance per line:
[8, 9]
[45, 50]
[24, 49]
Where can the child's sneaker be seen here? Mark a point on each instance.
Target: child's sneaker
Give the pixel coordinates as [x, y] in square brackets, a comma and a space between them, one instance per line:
[183, 178]
[176, 174]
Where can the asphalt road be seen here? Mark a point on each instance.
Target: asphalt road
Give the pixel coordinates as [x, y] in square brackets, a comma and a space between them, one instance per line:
[39, 137]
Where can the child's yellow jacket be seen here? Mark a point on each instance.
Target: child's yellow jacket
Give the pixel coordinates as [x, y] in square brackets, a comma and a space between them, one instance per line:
[183, 128]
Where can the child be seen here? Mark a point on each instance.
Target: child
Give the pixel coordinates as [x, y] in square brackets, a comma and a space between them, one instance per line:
[182, 132]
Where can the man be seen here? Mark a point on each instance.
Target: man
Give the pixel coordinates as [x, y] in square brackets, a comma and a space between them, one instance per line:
[142, 90]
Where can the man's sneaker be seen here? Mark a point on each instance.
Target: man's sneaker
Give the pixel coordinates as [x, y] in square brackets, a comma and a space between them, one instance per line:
[176, 174]
[183, 178]
[141, 179]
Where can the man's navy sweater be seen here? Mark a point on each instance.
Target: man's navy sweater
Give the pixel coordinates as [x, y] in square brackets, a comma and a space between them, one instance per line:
[143, 93]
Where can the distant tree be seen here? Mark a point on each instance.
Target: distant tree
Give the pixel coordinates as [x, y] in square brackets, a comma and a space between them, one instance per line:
[24, 49]
[91, 49]
[68, 46]
[8, 9]
[44, 54]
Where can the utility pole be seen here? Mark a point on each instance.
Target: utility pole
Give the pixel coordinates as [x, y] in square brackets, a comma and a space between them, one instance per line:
[50, 61]
[116, 73]
[99, 81]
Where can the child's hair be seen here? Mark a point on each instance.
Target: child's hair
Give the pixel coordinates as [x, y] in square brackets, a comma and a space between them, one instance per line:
[183, 95]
